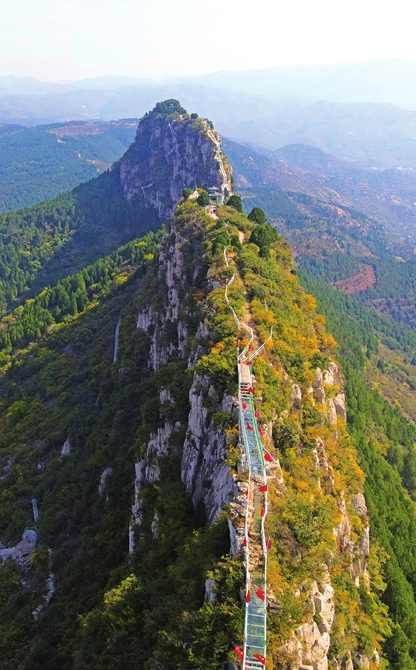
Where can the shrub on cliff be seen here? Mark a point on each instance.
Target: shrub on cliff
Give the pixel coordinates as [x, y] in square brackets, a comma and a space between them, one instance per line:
[203, 199]
[257, 215]
[235, 202]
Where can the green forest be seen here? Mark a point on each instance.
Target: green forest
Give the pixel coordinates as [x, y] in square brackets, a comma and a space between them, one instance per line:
[386, 446]
[49, 164]
[62, 384]
[46, 242]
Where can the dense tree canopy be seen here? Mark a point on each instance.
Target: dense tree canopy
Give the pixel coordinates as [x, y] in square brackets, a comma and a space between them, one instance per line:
[257, 215]
[235, 202]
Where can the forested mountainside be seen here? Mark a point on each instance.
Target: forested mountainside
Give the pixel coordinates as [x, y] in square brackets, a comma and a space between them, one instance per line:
[360, 258]
[384, 194]
[44, 243]
[166, 409]
[51, 159]
[125, 486]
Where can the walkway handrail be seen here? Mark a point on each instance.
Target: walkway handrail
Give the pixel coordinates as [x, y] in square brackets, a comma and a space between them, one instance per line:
[255, 619]
[254, 642]
[236, 319]
[256, 353]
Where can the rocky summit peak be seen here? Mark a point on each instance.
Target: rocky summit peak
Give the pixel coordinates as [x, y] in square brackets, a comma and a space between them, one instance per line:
[173, 150]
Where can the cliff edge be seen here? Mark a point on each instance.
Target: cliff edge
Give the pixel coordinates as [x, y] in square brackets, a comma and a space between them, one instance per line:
[173, 150]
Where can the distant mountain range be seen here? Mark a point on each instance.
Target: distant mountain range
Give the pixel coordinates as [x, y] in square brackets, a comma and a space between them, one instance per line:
[348, 111]
[386, 195]
[54, 158]
[391, 82]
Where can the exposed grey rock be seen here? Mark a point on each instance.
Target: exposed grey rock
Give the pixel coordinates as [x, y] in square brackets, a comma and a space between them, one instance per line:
[50, 590]
[205, 475]
[189, 153]
[296, 395]
[318, 386]
[35, 510]
[332, 412]
[364, 545]
[7, 468]
[23, 549]
[210, 591]
[103, 479]
[358, 502]
[66, 447]
[339, 404]
[155, 526]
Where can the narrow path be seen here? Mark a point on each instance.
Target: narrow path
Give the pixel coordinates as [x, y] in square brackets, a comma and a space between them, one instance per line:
[253, 656]
[255, 625]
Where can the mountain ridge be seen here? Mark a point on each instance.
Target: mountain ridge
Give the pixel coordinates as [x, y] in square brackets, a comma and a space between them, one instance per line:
[120, 420]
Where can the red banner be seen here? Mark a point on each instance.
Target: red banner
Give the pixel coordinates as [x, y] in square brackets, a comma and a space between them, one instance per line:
[239, 652]
[260, 658]
[260, 594]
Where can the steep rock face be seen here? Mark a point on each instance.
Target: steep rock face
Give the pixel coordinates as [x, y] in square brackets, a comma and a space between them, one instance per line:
[204, 472]
[309, 644]
[171, 151]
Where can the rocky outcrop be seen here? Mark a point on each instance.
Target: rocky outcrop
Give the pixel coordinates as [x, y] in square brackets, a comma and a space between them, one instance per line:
[328, 389]
[205, 473]
[66, 447]
[171, 151]
[22, 551]
[103, 480]
[308, 646]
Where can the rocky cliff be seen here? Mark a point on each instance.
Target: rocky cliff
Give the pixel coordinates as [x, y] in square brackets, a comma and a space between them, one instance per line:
[172, 150]
[319, 521]
[142, 510]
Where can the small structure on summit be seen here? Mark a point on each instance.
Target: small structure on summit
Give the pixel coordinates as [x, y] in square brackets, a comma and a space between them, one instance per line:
[216, 197]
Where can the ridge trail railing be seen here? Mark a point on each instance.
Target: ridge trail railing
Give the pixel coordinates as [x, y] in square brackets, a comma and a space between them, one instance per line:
[254, 541]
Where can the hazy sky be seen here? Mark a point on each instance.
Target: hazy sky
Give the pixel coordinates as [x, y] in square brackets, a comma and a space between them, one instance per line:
[55, 40]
